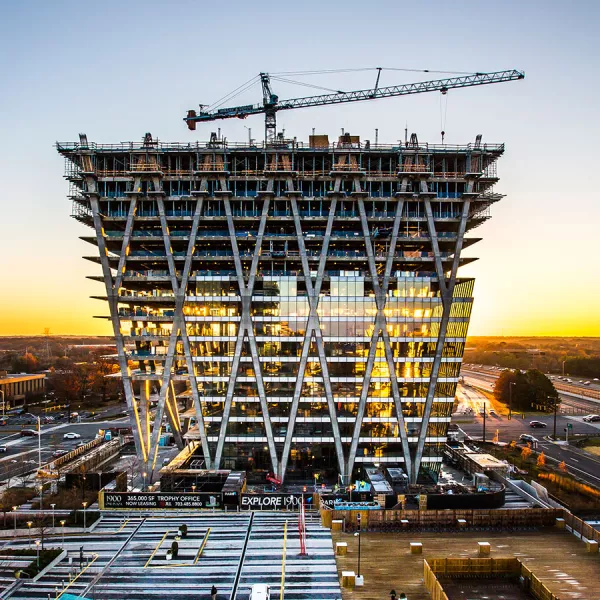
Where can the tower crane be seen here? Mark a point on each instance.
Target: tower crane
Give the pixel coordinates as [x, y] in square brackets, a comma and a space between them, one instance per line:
[271, 104]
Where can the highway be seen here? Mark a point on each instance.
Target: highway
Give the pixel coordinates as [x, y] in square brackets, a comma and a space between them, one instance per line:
[582, 465]
[575, 395]
[21, 456]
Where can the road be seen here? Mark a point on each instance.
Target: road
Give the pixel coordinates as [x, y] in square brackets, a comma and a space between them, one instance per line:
[584, 398]
[21, 456]
[583, 465]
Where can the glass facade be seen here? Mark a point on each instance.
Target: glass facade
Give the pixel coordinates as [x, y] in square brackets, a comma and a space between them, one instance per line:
[311, 316]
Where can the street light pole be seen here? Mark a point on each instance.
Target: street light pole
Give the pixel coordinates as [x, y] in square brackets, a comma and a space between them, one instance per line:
[39, 442]
[53, 505]
[29, 524]
[37, 543]
[63, 534]
[510, 399]
[3, 407]
[484, 417]
[84, 507]
[555, 409]
[358, 535]
[15, 515]
[563, 367]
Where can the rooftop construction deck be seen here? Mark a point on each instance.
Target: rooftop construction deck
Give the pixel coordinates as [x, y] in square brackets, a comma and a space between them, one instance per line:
[557, 558]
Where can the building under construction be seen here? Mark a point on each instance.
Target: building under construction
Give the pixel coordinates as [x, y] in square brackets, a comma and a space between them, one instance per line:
[304, 296]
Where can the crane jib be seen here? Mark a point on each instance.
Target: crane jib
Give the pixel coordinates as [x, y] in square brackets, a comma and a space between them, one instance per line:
[442, 85]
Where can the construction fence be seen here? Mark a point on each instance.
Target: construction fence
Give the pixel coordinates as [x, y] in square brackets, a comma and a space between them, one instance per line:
[393, 520]
[580, 528]
[437, 569]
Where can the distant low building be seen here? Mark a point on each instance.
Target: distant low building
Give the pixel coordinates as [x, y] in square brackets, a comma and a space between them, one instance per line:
[16, 386]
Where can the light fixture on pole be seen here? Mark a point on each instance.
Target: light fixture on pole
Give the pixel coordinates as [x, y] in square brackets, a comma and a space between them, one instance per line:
[84, 507]
[53, 505]
[37, 543]
[359, 580]
[63, 533]
[144, 486]
[39, 442]
[15, 515]
[29, 524]
[510, 399]
[484, 417]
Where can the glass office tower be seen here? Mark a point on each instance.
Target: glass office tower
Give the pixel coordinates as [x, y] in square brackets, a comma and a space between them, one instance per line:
[303, 298]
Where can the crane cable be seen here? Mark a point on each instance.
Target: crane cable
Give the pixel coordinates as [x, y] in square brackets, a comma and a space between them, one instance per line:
[231, 95]
[326, 71]
[310, 85]
[443, 113]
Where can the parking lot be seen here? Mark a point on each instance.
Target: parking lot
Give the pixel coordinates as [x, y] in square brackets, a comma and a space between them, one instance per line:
[125, 557]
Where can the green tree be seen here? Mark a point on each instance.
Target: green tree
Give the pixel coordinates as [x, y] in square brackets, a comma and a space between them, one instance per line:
[526, 390]
[542, 392]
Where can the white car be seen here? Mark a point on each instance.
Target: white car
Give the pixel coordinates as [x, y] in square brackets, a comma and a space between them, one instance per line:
[591, 418]
[260, 591]
[71, 436]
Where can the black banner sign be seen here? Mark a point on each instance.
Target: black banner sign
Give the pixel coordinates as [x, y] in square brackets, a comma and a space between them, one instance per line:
[160, 501]
[274, 501]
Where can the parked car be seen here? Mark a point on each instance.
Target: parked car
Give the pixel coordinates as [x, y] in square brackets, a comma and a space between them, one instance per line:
[71, 435]
[3, 448]
[28, 432]
[535, 424]
[260, 591]
[59, 452]
[527, 439]
[591, 418]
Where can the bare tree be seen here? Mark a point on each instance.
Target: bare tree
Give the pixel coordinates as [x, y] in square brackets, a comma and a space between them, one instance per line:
[42, 528]
[131, 464]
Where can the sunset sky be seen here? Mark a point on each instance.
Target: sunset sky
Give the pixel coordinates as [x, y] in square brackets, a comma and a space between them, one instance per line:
[116, 70]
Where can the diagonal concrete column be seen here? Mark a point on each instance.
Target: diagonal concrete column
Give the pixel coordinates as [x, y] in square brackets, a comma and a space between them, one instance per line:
[447, 292]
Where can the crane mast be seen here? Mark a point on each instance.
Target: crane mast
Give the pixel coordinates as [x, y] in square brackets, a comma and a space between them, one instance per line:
[271, 103]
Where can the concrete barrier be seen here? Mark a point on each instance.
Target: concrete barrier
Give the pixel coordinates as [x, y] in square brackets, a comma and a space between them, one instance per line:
[416, 548]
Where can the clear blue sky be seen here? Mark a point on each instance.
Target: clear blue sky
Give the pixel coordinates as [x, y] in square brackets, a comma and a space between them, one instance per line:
[118, 69]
